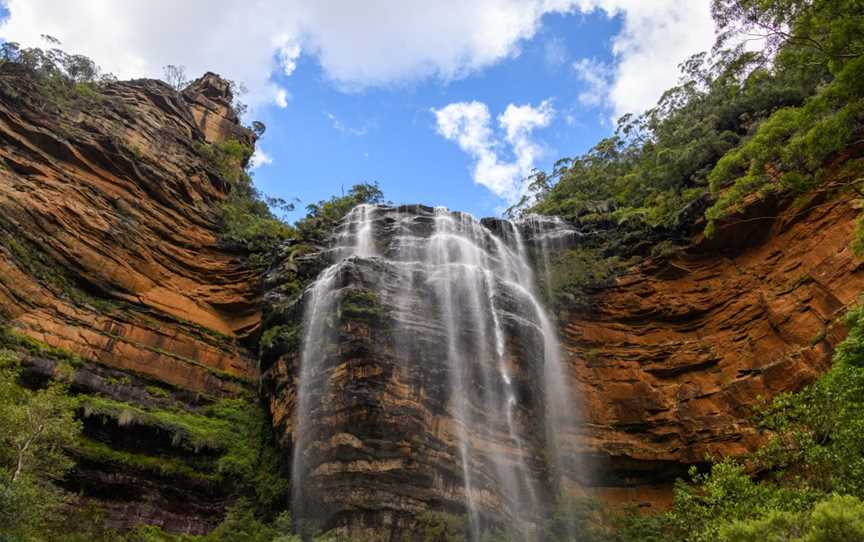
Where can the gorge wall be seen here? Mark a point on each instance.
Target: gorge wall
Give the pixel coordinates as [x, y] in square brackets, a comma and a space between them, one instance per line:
[419, 371]
[110, 257]
[672, 359]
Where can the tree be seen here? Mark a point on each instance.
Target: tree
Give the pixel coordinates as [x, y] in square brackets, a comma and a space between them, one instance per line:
[35, 426]
[323, 216]
[175, 76]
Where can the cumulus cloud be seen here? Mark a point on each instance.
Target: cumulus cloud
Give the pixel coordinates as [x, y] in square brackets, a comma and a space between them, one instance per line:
[656, 36]
[596, 77]
[358, 44]
[259, 158]
[468, 124]
[281, 98]
[288, 53]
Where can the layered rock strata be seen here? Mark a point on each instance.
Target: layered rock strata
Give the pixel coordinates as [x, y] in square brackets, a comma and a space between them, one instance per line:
[110, 254]
[672, 361]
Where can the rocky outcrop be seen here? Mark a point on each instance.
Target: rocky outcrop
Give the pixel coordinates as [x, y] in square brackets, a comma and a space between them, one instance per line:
[667, 364]
[110, 234]
[110, 253]
[671, 361]
[418, 378]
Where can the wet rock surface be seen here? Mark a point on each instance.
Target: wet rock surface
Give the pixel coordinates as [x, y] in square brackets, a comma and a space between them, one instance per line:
[408, 403]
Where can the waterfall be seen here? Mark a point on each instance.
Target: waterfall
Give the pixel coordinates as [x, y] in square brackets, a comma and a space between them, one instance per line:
[460, 294]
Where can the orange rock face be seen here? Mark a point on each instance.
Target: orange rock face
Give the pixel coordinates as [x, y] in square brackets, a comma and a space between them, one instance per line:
[109, 226]
[109, 249]
[672, 360]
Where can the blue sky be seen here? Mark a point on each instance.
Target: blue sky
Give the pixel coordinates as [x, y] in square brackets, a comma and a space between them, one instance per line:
[389, 135]
[444, 103]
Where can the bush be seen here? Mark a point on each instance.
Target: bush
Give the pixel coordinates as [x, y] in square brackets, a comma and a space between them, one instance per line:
[576, 272]
[441, 527]
[35, 427]
[322, 217]
[790, 147]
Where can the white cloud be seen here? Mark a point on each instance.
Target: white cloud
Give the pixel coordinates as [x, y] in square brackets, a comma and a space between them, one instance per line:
[288, 53]
[597, 79]
[281, 98]
[342, 128]
[468, 124]
[657, 35]
[259, 158]
[554, 52]
[358, 44]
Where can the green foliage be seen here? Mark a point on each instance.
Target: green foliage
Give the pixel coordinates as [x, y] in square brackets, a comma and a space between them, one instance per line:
[790, 147]
[247, 218]
[102, 453]
[357, 303]
[441, 527]
[34, 428]
[727, 493]
[288, 335]
[750, 122]
[833, 519]
[63, 79]
[240, 524]
[229, 158]
[322, 217]
[655, 165]
[15, 340]
[773, 527]
[818, 434]
[815, 457]
[837, 518]
[237, 428]
[574, 273]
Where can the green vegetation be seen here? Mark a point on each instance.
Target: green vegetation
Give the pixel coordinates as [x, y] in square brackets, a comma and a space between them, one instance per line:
[247, 216]
[40, 440]
[741, 123]
[357, 303]
[575, 272]
[100, 452]
[322, 217]
[237, 428]
[15, 340]
[441, 527]
[63, 79]
[34, 427]
[247, 219]
[788, 150]
[288, 336]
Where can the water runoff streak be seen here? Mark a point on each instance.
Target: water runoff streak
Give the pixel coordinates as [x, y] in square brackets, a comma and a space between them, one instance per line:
[472, 285]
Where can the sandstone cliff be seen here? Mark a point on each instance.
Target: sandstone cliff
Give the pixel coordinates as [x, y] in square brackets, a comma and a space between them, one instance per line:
[672, 359]
[109, 255]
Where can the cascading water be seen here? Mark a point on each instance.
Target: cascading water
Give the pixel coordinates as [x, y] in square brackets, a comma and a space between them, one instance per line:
[464, 298]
